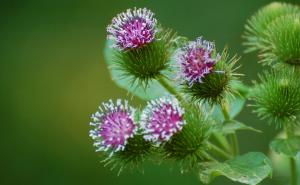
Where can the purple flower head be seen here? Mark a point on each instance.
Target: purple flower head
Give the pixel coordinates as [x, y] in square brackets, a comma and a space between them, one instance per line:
[113, 126]
[196, 60]
[133, 28]
[161, 119]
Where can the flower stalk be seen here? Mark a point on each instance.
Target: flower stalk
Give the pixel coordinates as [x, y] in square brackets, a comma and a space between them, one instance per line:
[164, 82]
[222, 141]
[232, 137]
[220, 152]
[293, 167]
[293, 171]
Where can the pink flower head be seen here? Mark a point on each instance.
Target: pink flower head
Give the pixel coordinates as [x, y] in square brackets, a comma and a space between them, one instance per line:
[133, 28]
[196, 60]
[113, 126]
[161, 119]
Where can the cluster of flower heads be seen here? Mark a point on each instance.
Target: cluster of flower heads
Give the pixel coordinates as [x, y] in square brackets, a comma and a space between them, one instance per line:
[136, 28]
[196, 60]
[161, 119]
[133, 28]
[114, 123]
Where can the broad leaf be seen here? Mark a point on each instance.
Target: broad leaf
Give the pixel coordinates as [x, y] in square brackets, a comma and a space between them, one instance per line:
[153, 90]
[235, 107]
[250, 168]
[289, 146]
[231, 126]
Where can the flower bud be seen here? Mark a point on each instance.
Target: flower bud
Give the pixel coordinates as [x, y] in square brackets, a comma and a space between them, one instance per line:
[259, 23]
[283, 41]
[277, 97]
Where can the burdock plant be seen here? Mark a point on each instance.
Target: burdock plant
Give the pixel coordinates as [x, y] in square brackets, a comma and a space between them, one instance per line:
[274, 31]
[193, 95]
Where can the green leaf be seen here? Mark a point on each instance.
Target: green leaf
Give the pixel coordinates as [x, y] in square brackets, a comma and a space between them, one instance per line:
[230, 127]
[289, 146]
[250, 168]
[235, 107]
[153, 90]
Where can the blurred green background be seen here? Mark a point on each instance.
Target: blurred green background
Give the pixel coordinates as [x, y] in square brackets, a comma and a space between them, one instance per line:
[53, 77]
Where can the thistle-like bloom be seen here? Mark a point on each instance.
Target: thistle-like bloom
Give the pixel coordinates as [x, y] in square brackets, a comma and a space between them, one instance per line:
[161, 119]
[196, 60]
[113, 126]
[133, 28]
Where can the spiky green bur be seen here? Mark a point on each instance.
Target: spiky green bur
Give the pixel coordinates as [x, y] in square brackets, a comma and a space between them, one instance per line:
[189, 146]
[137, 150]
[277, 97]
[255, 29]
[283, 41]
[149, 61]
[216, 85]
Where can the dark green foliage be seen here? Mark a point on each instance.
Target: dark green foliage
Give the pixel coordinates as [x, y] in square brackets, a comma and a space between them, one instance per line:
[216, 85]
[258, 24]
[188, 146]
[135, 152]
[283, 41]
[277, 96]
[146, 63]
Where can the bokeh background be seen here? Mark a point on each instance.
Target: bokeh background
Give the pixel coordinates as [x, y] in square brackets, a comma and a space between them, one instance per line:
[53, 77]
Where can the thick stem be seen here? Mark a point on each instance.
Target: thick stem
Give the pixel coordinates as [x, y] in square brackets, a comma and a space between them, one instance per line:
[293, 171]
[293, 168]
[163, 82]
[218, 151]
[208, 157]
[221, 141]
[232, 137]
[235, 145]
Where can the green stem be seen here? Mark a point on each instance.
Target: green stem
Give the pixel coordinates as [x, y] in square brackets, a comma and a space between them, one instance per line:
[225, 112]
[163, 82]
[221, 141]
[208, 157]
[218, 151]
[293, 171]
[290, 133]
[235, 145]
[232, 137]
